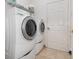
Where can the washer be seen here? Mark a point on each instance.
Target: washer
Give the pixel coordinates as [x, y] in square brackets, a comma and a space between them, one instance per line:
[21, 31]
[26, 31]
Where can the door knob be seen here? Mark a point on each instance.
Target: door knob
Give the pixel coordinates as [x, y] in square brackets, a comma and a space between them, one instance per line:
[48, 28]
[72, 31]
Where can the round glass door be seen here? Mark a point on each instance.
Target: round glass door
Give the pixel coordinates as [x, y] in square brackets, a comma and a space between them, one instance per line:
[42, 27]
[29, 28]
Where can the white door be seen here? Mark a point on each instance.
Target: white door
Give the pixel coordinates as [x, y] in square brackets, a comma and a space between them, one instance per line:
[57, 31]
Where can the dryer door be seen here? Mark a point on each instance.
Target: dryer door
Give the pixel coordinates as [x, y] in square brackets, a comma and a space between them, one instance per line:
[29, 28]
[42, 27]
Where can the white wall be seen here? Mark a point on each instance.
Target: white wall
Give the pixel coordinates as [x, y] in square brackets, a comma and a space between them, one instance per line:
[25, 3]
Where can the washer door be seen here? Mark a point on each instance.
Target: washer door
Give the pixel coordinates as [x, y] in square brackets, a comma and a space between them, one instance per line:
[29, 28]
[42, 27]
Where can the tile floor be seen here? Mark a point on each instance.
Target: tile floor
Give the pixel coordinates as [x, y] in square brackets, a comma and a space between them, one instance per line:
[53, 54]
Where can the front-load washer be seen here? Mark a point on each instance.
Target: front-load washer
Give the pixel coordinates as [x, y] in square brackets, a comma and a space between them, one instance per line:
[28, 30]
[20, 31]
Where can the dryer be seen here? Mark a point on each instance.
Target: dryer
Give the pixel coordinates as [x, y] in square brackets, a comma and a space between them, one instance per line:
[21, 30]
[40, 38]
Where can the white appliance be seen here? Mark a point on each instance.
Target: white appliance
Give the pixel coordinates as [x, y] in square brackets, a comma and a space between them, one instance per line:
[40, 36]
[21, 29]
